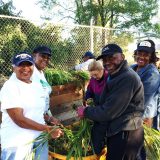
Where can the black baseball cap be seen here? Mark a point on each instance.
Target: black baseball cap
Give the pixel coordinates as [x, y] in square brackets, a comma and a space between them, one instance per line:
[43, 50]
[22, 57]
[147, 46]
[109, 50]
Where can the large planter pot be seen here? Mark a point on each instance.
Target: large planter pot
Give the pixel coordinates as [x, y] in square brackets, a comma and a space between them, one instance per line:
[91, 157]
[63, 157]
[64, 94]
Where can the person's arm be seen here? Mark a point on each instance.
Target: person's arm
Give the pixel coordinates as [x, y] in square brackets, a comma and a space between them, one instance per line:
[83, 66]
[10, 98]
[151, 81]
[89, 93]
[116, 102]
[50, 120]
[16, 114]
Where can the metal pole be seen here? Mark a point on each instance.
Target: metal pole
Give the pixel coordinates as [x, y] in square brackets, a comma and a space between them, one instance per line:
[91, 35]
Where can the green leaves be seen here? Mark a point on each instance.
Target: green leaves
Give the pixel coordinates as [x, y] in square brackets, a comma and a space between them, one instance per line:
[76, 141]
[59, 77]
[152, 143]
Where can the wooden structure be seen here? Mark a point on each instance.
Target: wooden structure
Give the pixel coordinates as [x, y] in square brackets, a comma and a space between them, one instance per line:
[62, 101]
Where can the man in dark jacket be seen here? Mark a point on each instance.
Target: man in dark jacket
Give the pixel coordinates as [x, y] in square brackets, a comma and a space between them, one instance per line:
[121, 107]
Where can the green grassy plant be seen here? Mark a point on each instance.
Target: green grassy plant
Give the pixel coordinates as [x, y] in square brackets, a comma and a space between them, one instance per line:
[152, 143]
[59, 77]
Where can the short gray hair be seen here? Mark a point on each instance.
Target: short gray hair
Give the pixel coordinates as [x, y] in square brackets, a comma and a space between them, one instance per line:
[95, 65]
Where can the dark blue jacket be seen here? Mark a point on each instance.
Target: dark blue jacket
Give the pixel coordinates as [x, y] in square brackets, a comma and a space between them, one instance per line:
[151, 80]
[121, 103]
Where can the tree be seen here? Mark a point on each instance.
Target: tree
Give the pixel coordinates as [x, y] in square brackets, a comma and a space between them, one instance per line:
[109, 13]
[8, 8]
[57, 9]
[114, 14]
[157, 30]
[12, 40]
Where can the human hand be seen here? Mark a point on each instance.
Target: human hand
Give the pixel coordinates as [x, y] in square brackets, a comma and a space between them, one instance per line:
[80, 111]
[51, 120]
[84, 103]
[148, 122]
[55, 132]
[90, 102]
[54, 121]
[46, 117]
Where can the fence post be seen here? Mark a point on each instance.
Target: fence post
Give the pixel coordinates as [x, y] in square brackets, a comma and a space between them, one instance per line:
[91, 35]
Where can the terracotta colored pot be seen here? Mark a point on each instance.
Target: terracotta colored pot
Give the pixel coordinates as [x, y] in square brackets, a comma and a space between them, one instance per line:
[63, 157]
[91, 157]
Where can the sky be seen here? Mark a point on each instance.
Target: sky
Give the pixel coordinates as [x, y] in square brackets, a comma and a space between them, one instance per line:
[32, 11]
[29, 9]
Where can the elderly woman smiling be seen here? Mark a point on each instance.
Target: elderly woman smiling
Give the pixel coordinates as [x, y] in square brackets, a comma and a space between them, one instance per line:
[23, 105]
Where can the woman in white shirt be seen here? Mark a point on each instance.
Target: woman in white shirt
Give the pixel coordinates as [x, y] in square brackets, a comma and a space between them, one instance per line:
[42, 56]
[22, 105]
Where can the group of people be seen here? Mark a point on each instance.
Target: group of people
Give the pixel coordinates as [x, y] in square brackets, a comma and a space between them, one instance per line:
[24, 104]
[127, 99]
[124, 98]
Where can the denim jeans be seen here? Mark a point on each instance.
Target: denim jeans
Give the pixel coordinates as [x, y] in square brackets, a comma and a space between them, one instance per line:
[25, 152]
[41, 151]
[8, 154]
[17, 153]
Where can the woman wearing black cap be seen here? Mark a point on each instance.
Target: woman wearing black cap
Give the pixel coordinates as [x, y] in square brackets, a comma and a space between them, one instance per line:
[42, 56]
[23, 105]
[146, 58]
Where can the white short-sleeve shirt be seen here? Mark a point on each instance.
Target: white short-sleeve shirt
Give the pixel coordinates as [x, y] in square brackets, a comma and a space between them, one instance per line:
[31, 98]
[39, 77]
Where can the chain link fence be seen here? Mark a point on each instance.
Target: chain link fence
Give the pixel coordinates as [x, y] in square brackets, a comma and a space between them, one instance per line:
[68, 43]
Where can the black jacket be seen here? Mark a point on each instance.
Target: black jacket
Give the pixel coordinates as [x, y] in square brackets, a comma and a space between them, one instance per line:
[121, 103]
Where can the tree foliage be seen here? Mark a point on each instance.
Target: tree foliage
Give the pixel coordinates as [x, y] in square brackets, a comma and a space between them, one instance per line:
[110, 13]
[12, 40]
[8, 8]
[21, 35]
[57, 9]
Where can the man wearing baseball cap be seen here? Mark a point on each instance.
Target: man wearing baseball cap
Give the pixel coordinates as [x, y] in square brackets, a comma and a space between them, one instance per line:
[23, 105]
[120, 106]
[88, 57]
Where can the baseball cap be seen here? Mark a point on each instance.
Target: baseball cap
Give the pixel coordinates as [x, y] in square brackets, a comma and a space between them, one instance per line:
[42, 49]
[88, 54]
[147, 46]
[109, 50]
[22, 57]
